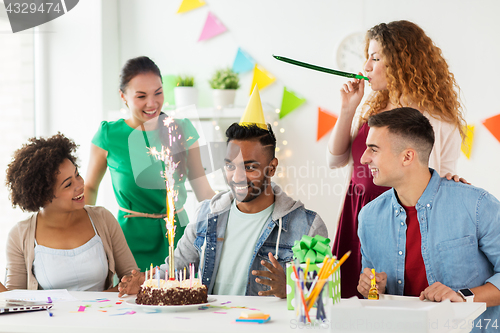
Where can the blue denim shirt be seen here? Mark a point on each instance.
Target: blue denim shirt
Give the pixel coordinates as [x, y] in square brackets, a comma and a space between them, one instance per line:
[202, 241]
[460, 229]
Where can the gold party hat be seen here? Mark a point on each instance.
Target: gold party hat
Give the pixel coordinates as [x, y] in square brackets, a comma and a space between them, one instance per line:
[254, 114]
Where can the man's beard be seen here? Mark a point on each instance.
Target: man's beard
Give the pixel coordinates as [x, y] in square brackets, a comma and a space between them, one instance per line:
[253, 191]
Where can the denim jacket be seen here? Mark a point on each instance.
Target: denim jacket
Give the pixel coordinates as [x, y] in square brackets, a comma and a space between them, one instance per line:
[460, 229]
[202, 241]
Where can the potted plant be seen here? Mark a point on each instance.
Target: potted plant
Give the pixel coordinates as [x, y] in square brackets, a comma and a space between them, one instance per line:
[224, 83]
[185, 93]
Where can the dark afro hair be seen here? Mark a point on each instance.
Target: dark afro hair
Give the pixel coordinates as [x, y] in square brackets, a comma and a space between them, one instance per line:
[32, 174]
[253, 133]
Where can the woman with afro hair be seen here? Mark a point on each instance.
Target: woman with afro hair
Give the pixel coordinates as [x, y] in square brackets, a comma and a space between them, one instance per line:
[64, 244]
[404, 68]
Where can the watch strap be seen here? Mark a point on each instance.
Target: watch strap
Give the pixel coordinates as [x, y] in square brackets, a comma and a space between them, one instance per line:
[466, 294]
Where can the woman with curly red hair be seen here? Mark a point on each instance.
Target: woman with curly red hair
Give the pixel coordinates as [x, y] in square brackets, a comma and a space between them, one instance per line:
[64, 244]
[404, 68]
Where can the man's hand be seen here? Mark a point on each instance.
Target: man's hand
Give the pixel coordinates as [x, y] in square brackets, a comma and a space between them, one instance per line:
[131, 284]
[438, 292]
[365, 280]
[276, 278]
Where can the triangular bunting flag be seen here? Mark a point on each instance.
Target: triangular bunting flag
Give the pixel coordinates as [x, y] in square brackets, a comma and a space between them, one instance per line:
[290, 102]
[254, 114]
[188, 5]
[169, 83]
[261, 78]
[326, 121]
[467, 143]
[243, 62]
[212, 27]
[493, 125]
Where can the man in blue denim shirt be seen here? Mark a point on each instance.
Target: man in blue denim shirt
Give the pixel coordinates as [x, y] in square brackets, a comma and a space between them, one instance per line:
[243, 238]
[459, 224]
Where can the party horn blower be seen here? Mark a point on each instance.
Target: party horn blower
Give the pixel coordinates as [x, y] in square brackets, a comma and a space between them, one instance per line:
[321, 69]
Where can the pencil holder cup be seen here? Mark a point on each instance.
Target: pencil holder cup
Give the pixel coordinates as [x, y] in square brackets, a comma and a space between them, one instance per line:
[331, 288]
[310, 300]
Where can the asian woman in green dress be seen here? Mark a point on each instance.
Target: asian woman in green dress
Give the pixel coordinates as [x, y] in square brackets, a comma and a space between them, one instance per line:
[123, 146]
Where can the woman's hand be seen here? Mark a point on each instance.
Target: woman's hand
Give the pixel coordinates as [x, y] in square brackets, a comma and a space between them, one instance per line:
[456, 178]
[196, 174]
[339, 143]
[95, 171]
[130, 284]
[351, 94]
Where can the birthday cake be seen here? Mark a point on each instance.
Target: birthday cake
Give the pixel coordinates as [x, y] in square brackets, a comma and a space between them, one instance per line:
[171, 292]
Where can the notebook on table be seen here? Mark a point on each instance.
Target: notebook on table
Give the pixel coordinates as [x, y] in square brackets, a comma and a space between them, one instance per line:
[12, 305]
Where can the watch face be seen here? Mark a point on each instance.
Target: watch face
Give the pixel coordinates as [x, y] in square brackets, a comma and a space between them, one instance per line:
[350, 53]
[466, 292]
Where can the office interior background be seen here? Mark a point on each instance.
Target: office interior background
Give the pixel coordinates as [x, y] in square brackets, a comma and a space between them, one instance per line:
[62, 76]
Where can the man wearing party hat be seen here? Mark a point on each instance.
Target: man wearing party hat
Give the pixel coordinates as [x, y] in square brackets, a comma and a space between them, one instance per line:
[243, 237]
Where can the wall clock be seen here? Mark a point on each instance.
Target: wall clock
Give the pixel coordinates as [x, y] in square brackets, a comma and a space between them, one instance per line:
[350, 53]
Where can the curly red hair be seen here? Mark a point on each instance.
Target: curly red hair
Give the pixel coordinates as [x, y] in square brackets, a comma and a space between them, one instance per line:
[416, 72]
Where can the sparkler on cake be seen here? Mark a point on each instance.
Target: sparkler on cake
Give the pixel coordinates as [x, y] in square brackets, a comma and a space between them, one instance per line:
[168, 174]
[176, 289]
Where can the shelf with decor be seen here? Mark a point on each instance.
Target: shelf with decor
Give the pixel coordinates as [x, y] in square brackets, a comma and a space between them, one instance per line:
[211, 124]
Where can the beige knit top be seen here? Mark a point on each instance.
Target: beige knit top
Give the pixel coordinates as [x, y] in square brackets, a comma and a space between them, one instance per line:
[21, 249]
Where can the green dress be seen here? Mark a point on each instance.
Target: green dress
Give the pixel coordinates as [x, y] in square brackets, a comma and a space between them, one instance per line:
[139, 186]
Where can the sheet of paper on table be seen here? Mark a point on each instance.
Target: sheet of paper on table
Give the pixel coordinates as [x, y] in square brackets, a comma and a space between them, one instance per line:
[56, 295]
[406, 314]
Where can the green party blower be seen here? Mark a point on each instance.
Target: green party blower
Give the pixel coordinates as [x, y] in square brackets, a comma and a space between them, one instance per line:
[319, 68]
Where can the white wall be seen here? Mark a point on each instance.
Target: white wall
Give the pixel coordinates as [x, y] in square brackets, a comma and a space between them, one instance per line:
[466, 31]
[86, 47]
[81, 52]
[74, 79]
[16, 108]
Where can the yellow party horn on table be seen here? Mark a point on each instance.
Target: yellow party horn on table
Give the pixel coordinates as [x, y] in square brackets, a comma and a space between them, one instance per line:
[373, 293]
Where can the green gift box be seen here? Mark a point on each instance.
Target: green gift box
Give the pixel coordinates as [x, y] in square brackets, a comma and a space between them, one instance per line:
[333, 284]
[313, 249]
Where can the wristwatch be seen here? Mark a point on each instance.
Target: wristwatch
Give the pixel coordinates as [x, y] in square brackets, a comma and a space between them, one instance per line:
[466, 294]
